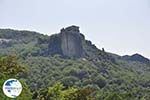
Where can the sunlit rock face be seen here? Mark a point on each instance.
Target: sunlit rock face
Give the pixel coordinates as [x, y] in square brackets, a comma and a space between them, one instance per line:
[5, 42]
[67, 43]
[71, 42]
[2, 40]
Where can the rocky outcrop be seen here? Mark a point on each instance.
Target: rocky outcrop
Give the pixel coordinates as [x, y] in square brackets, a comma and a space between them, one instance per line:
[5, 42]
[2, 40]
[71, 42]
[67, 43]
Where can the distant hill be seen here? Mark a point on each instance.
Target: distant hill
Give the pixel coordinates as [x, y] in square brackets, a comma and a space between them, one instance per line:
[69, 58]
[136, 57]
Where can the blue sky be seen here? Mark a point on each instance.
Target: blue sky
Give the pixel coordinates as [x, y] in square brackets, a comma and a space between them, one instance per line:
[120, 26]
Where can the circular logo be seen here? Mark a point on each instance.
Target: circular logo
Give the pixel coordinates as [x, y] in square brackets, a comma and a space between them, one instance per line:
[12, 88]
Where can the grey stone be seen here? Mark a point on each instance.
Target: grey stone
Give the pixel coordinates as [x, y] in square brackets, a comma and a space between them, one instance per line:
[71, 42]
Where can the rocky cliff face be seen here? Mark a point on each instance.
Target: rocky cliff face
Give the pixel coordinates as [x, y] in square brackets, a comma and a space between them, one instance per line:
[67, 43]
[71, 42]
[2, 40]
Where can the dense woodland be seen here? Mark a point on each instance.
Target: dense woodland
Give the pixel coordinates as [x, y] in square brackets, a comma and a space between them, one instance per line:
[49, 75]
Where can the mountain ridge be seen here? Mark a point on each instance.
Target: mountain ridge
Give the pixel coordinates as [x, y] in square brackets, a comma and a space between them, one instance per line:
[136, 57]
[73, 27]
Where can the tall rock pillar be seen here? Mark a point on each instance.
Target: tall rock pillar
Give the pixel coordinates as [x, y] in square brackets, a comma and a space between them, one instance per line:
[71, 42]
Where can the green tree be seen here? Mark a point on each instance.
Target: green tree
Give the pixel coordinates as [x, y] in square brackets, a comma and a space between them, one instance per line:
[114, 96]
[11, 68]
[59, 92]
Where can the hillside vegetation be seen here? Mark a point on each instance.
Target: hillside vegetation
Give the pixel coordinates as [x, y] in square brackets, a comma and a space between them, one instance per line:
[66, 66]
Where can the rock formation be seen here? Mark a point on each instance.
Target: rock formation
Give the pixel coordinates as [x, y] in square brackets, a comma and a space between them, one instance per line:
[71, 42]
[2, 40]
[67, 43]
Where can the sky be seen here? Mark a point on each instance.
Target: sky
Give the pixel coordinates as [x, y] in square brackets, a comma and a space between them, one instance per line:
[119, 26]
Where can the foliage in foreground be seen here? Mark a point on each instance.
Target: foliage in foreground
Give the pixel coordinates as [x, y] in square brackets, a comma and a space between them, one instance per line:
[11, 68]
[58, 92]
[122, 87]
